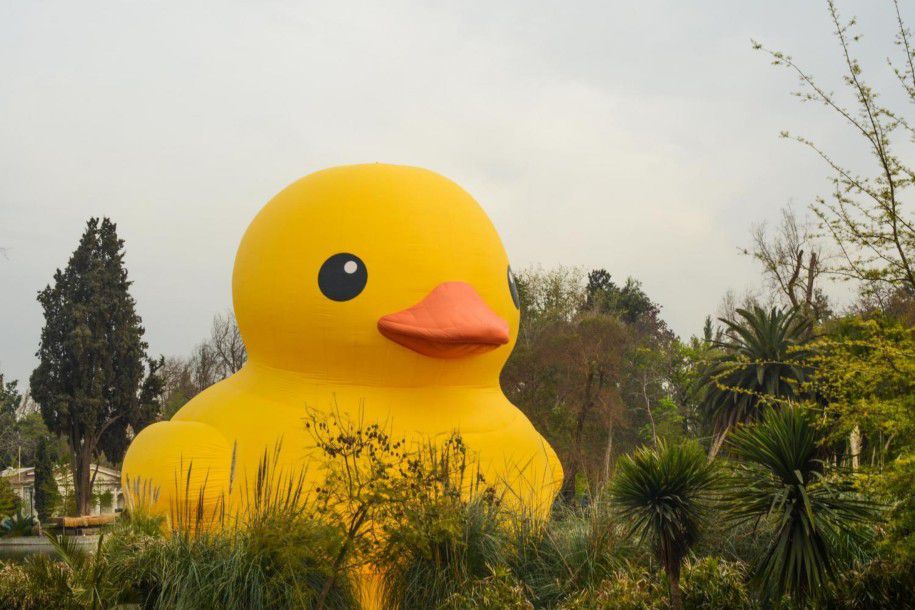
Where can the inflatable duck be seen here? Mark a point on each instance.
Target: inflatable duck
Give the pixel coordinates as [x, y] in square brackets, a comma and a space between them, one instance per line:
[377, 291]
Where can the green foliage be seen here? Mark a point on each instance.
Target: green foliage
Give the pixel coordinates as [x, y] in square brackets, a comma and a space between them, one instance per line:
[10, 397]
[875, 585]
[781, 481]
[667, 423]
[630, 588]
[441, 538]
[9, 501]
[572, 551]
[22, 429]
[89, 379]
[37, 584]
[72, 579]
[629, 301]
[105, 500]
[9, 405]
[759, 363]
[500, 591]
[594, 368]
[47, 496]
[664, 494]
[281, 565]
[896, 483]
[276, 561]
[864, 371]
[710, 583]
[17, 525]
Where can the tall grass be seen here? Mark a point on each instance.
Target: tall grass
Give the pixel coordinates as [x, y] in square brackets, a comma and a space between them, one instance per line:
[576, 549]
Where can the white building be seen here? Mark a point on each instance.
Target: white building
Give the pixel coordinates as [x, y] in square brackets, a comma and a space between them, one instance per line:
[107, 495]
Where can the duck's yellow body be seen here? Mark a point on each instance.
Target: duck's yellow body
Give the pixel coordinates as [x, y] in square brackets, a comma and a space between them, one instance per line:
[376, 291]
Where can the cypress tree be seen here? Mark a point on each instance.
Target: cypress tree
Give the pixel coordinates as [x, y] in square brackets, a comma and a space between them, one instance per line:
[91, 356]
[47, 496]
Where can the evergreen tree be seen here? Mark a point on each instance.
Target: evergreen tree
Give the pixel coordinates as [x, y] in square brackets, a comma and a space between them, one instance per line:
[91, 356]
[47, 497]
[9, 501]
[9, 402]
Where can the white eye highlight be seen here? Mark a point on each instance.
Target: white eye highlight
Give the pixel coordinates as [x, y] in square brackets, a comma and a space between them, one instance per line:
[351, 267]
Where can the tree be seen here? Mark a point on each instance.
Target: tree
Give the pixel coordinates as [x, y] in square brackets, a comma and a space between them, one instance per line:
[9, 396]
[9, 406]
[595, 369]
[564, 372]
[792, 263]
[226, 342]
[9, 501]
[866, 214]
[759, 363]
[217, 357]
[652, 351]
[663, 494]
[47, 496]
[864, 370]
[21, 426]
[91, 355]
[629, 301]
[809, 519]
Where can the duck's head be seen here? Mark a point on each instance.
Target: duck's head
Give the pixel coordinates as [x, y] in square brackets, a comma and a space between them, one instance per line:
[376, 274]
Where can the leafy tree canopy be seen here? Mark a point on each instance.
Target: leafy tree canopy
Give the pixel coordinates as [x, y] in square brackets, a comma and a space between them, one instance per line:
[90, 377]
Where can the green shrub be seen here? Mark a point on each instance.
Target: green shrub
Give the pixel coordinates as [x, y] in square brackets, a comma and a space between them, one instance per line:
[277, 559]
[37, 584]
[73, 579]
[443, 534]
[499, 591]
[16, 590]
[881, 583]
[572, 551]
[17, 525]
[433, 554]
[711, 583]
[631, 588]
[9, 501]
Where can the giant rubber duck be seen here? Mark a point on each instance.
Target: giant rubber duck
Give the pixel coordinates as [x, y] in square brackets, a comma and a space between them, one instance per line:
[381, 292]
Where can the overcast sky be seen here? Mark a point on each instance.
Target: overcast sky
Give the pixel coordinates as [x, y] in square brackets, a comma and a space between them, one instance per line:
[637, 136]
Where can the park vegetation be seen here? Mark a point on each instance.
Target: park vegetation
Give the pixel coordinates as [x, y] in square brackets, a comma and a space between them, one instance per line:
[768, 462]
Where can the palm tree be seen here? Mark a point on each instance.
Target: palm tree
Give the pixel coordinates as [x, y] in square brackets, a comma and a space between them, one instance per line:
[759, 363]
[663, 494]
[780, 484]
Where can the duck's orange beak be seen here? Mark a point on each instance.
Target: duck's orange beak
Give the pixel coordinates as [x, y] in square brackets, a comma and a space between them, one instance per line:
[453, 321]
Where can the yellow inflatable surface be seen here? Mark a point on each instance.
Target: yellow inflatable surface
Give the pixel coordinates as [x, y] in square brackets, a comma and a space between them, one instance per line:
[378, 292]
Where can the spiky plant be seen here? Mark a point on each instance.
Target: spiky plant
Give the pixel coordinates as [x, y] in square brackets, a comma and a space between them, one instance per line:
[663, 494]
[811, 519]
[760, 362]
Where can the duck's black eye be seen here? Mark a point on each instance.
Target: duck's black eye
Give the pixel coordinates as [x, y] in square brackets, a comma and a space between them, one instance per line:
[342, 277]
[513, 288]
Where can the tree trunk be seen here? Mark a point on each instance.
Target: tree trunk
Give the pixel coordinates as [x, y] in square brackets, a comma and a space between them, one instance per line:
[654, 431]
[676, 596]
[567, 491]
[82, 486]
[608, 452]
[854, 447]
